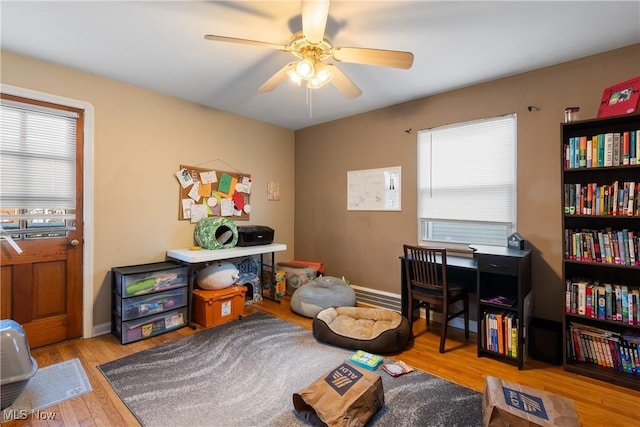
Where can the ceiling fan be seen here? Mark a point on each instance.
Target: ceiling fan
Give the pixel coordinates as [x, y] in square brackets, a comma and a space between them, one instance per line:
[315, 54]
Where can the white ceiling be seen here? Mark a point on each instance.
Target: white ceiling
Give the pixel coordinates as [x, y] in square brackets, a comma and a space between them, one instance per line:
[159, 45]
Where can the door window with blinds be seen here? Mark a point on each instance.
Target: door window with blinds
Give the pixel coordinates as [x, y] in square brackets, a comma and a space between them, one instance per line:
[466, 183]
[38, 166]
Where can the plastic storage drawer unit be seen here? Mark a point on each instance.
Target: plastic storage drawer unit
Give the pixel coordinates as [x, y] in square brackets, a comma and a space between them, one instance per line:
[146, 305]
[147, 278]
[150, 326]
[148, 299]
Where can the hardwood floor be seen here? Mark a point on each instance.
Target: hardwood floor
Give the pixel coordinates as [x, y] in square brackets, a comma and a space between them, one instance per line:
[597, 403]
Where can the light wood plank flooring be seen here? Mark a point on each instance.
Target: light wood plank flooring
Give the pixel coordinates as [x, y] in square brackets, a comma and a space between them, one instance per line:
[598, 403]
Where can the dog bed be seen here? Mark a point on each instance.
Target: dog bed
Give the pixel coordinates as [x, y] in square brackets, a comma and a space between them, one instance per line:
[376, 330]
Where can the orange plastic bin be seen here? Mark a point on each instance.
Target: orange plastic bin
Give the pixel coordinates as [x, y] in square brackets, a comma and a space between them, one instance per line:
[215, 307]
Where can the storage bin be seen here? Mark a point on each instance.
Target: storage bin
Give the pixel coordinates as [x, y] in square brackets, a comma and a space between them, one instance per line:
[16, 364]
[147, 278]
[297, 274]
[212, 308]
[146, 305]
[146, 327]
[318, 265]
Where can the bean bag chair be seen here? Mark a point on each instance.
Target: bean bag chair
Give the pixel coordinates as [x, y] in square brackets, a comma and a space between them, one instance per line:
[321, 293]
[376, 330]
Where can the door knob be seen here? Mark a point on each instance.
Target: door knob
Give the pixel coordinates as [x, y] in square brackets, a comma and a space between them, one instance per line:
[74, 242]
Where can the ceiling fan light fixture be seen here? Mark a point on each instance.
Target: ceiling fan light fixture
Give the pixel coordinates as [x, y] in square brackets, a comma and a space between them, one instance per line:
[322, 76]
[294, 76]
[316, 83]
[305, 68]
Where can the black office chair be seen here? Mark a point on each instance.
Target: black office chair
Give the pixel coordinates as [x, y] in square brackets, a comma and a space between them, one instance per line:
[426, 280]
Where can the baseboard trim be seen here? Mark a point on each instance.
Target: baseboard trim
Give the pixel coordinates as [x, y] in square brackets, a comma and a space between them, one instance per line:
[102, 329]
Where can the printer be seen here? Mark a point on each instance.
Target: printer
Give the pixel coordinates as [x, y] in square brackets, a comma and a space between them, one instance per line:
[253, 235]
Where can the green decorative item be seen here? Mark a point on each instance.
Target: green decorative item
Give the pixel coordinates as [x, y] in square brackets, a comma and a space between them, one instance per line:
[216, 233]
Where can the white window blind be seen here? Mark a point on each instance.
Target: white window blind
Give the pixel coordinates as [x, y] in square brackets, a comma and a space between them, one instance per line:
[466, 182]
[38, 154]
[37, 170]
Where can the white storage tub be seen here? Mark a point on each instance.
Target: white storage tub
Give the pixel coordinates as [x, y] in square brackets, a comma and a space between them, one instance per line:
[16, 364]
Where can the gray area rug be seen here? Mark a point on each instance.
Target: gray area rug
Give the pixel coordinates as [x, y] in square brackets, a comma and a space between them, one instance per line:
[50, 385]
[244, 373]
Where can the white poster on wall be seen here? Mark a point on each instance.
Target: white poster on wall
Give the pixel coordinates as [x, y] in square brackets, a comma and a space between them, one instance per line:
[375, 189]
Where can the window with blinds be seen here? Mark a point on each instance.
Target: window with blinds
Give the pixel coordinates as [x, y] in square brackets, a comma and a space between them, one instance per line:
[37, 170]
[466, 183]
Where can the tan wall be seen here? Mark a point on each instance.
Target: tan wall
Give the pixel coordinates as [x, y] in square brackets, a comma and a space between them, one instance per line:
[141, 138]
[365, 246]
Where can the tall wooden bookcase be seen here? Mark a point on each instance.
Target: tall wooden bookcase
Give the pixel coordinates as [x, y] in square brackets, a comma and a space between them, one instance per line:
[596, 343]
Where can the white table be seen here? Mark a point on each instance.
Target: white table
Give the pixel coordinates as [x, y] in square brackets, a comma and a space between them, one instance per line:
[202, 256]
[206, 255]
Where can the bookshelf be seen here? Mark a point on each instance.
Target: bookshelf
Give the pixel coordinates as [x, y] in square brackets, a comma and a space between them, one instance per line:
[601, 266]
[504, 303]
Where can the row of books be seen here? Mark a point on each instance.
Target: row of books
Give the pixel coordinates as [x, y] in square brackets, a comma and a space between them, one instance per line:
[604, 348]
[602, 150]
[622, 199]
[500, 333]
[605, 246]
[603, 301]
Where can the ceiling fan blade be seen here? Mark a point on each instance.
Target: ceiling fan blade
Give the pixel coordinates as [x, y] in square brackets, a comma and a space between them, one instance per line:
[277, 78]
[314, 19]
[246, 41]
[344, 83]
[384, 58]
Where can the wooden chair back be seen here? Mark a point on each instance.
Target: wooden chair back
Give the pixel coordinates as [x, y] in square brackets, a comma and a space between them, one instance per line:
[426, 269]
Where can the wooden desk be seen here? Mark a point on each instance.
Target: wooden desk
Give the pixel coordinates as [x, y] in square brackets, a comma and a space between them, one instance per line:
[491, 272]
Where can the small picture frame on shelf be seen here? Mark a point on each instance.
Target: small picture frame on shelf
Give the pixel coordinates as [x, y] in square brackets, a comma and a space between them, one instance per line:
[620, 99]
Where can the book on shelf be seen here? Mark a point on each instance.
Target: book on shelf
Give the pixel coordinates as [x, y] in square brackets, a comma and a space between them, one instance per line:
[626, 153]
[499, 333]
[617, 198]
[602, 246]
[634, 148]
[603, 150]
[604, 348]
[616, 149]
[582, 298]
[608, 149]
[604, 301]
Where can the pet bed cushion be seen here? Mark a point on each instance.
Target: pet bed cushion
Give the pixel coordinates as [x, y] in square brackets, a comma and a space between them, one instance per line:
[321, 293]
[376, 330]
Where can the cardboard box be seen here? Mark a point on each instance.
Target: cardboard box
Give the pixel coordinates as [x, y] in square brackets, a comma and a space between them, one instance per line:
[514, 405]
[212, 308]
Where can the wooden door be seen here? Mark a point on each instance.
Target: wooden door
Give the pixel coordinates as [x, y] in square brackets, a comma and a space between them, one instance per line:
[41, 288]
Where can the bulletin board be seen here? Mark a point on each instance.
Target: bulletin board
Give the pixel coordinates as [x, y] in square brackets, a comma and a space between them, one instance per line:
[208, 192]
[375, 189]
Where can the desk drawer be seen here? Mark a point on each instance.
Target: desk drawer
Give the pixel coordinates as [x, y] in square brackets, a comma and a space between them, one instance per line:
[498, 264]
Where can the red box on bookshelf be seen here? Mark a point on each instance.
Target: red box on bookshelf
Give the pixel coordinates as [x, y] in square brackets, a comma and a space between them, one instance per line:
[620, 99]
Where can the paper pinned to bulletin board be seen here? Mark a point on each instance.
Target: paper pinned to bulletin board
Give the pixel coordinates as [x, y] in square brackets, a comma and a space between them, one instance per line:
[208, 192]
